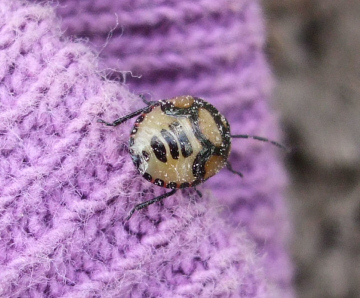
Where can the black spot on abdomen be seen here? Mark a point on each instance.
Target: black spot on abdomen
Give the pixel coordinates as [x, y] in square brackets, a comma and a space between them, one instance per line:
[186, 148]
[169, 138]
[159, 149]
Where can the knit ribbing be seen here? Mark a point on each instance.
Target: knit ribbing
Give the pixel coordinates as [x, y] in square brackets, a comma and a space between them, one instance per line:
[66, 184]
[215, 50]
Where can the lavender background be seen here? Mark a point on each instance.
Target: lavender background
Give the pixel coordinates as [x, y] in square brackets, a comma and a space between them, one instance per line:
[314, 47]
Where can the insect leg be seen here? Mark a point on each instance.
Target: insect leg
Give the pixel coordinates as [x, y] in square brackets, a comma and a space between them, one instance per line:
[198, 192]
[125, 118]
[152, 201]
[145, 101]
[229, 167]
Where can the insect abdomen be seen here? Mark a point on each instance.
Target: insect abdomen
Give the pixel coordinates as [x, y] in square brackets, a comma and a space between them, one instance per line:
[177, 144]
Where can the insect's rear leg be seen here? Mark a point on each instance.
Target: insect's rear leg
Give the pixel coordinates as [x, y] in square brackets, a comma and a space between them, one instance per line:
[229, 167]
[198, 192]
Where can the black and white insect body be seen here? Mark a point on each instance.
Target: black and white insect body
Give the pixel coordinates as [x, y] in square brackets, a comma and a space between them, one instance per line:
[179, 143]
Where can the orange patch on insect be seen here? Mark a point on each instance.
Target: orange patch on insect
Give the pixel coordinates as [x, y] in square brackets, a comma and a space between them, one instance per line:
[209, 128]
[182, 102]
[214, 165]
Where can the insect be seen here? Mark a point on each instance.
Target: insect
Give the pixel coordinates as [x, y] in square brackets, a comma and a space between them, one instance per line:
[179, 143]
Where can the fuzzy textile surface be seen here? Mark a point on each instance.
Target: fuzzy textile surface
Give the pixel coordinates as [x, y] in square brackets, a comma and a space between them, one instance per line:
[67, 182]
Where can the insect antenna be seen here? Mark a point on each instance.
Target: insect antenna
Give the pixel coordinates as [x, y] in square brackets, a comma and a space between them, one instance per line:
[228, 165]
[260, 139]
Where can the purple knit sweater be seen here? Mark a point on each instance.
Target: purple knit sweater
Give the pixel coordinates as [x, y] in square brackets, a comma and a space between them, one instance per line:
[67, 182]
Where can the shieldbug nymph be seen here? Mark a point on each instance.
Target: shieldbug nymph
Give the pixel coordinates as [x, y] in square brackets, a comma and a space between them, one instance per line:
[178, 143]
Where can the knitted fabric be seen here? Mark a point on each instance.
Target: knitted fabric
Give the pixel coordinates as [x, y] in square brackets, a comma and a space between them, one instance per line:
[67, 182]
